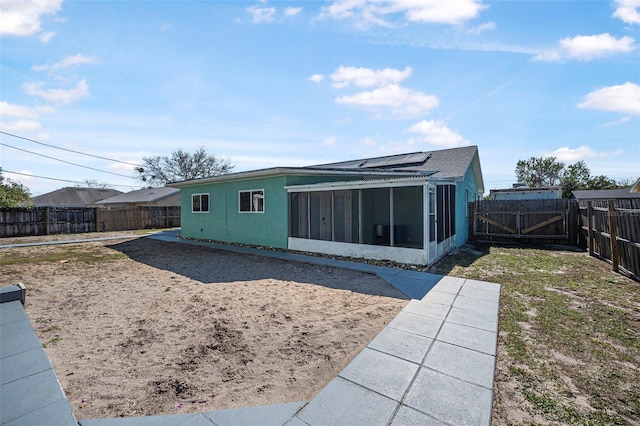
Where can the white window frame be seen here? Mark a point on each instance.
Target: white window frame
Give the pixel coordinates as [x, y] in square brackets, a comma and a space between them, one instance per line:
[252, 206]
[200, 194]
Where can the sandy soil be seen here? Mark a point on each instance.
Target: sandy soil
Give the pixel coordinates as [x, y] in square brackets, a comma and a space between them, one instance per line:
[143, 327]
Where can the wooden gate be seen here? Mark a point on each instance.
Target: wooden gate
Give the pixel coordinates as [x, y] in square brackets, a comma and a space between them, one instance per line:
[536, 221]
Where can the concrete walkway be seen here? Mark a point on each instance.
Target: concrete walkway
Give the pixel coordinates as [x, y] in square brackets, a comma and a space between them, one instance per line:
[432, 365]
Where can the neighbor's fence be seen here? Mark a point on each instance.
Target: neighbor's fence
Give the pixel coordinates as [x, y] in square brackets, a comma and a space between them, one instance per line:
[530, 221]
[22, 222]
[610, 229]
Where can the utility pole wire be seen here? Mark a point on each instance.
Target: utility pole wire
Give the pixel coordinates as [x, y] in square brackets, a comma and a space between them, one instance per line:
[65, 180]
[68, 150]
[64, 161]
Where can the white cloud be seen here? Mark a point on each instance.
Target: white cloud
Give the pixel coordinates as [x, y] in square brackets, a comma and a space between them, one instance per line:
[479, 29]
[627, 11]
[331, 140]
[436, 133]
[316, 78]
[69, 61]
[57, 96]
[381, 12]
[569, 155]
[292, 11]
[21, 125]
[617, 122]
[22, 18]
[46, 37]
[400, 101]
[261, 14]
[367, 77]
[624, 98]
[586, 48]
[12, 110]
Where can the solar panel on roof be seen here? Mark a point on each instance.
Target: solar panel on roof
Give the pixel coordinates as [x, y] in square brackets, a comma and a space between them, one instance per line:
[398, 160]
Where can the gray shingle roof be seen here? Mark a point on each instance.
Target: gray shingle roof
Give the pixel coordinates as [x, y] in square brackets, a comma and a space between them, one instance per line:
[605, 194]
[73, 197]
[444, 163]
[148, 195]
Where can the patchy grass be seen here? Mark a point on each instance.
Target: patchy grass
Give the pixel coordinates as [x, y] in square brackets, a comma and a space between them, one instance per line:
[569, 335]
[58, 254]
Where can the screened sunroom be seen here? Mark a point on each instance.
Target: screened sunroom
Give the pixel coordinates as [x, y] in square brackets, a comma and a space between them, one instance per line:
[409, 220]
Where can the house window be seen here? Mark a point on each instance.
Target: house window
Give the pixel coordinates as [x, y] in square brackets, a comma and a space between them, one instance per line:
[251, 201]
[200, 203]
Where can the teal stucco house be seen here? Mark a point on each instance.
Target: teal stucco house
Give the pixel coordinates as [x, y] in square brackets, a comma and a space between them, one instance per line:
[409, 208]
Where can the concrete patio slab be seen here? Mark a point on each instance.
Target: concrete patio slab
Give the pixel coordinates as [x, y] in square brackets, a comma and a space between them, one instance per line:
[469, 337]
[408, 416]
[471, 318]
[449, 399]
[435, 296]
[470, 366]
[427, 309]
[344, 403]
[380, 372]
[267, 415]
[57, 414]
[488, 295]
[25, 396]
[449, 285]
[401, 344]
[416, 324]
[23, 364]
[476, 304]
[170, 420]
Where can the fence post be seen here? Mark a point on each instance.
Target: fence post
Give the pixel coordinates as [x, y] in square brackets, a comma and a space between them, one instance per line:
[573, 215]
[97, 215]
[166, 216]
[471, 219]
[590, 226]
[614, 236]
[47, 224]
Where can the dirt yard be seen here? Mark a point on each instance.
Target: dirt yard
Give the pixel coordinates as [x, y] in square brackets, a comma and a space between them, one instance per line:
[142, 327]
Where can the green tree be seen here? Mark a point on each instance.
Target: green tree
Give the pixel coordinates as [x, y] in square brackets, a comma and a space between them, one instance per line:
[546, 171]
[603, 182]
[13, 194]
[540, 171]
[574, 177]
[181, 165]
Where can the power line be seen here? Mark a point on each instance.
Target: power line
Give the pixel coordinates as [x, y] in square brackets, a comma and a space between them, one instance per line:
[68, 150]
[64, 161]
[64, 180]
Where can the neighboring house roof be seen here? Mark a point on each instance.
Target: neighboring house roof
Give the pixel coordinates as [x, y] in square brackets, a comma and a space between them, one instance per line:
[149, 195]
[73, 197]
[450, 163]
[636, 186]
[604, 194]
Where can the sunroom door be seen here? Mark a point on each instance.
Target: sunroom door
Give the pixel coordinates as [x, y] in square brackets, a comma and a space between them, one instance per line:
[320, 215]
[432, 225]
[342, 216]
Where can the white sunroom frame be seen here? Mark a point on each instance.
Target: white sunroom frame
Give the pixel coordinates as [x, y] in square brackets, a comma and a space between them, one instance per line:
[421, 256]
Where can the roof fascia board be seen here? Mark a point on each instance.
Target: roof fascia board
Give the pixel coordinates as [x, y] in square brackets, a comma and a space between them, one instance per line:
[286, 171]
[364, 184]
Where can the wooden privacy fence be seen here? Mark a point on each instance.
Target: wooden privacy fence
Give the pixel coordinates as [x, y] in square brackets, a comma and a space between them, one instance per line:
[22, 222]
[610, 229]
[533, 221]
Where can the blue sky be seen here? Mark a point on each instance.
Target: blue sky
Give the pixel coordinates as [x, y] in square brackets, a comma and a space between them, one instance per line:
[294, 83]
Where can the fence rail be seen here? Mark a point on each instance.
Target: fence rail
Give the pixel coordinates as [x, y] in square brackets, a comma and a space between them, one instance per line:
[610, 229]
[21, 222]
